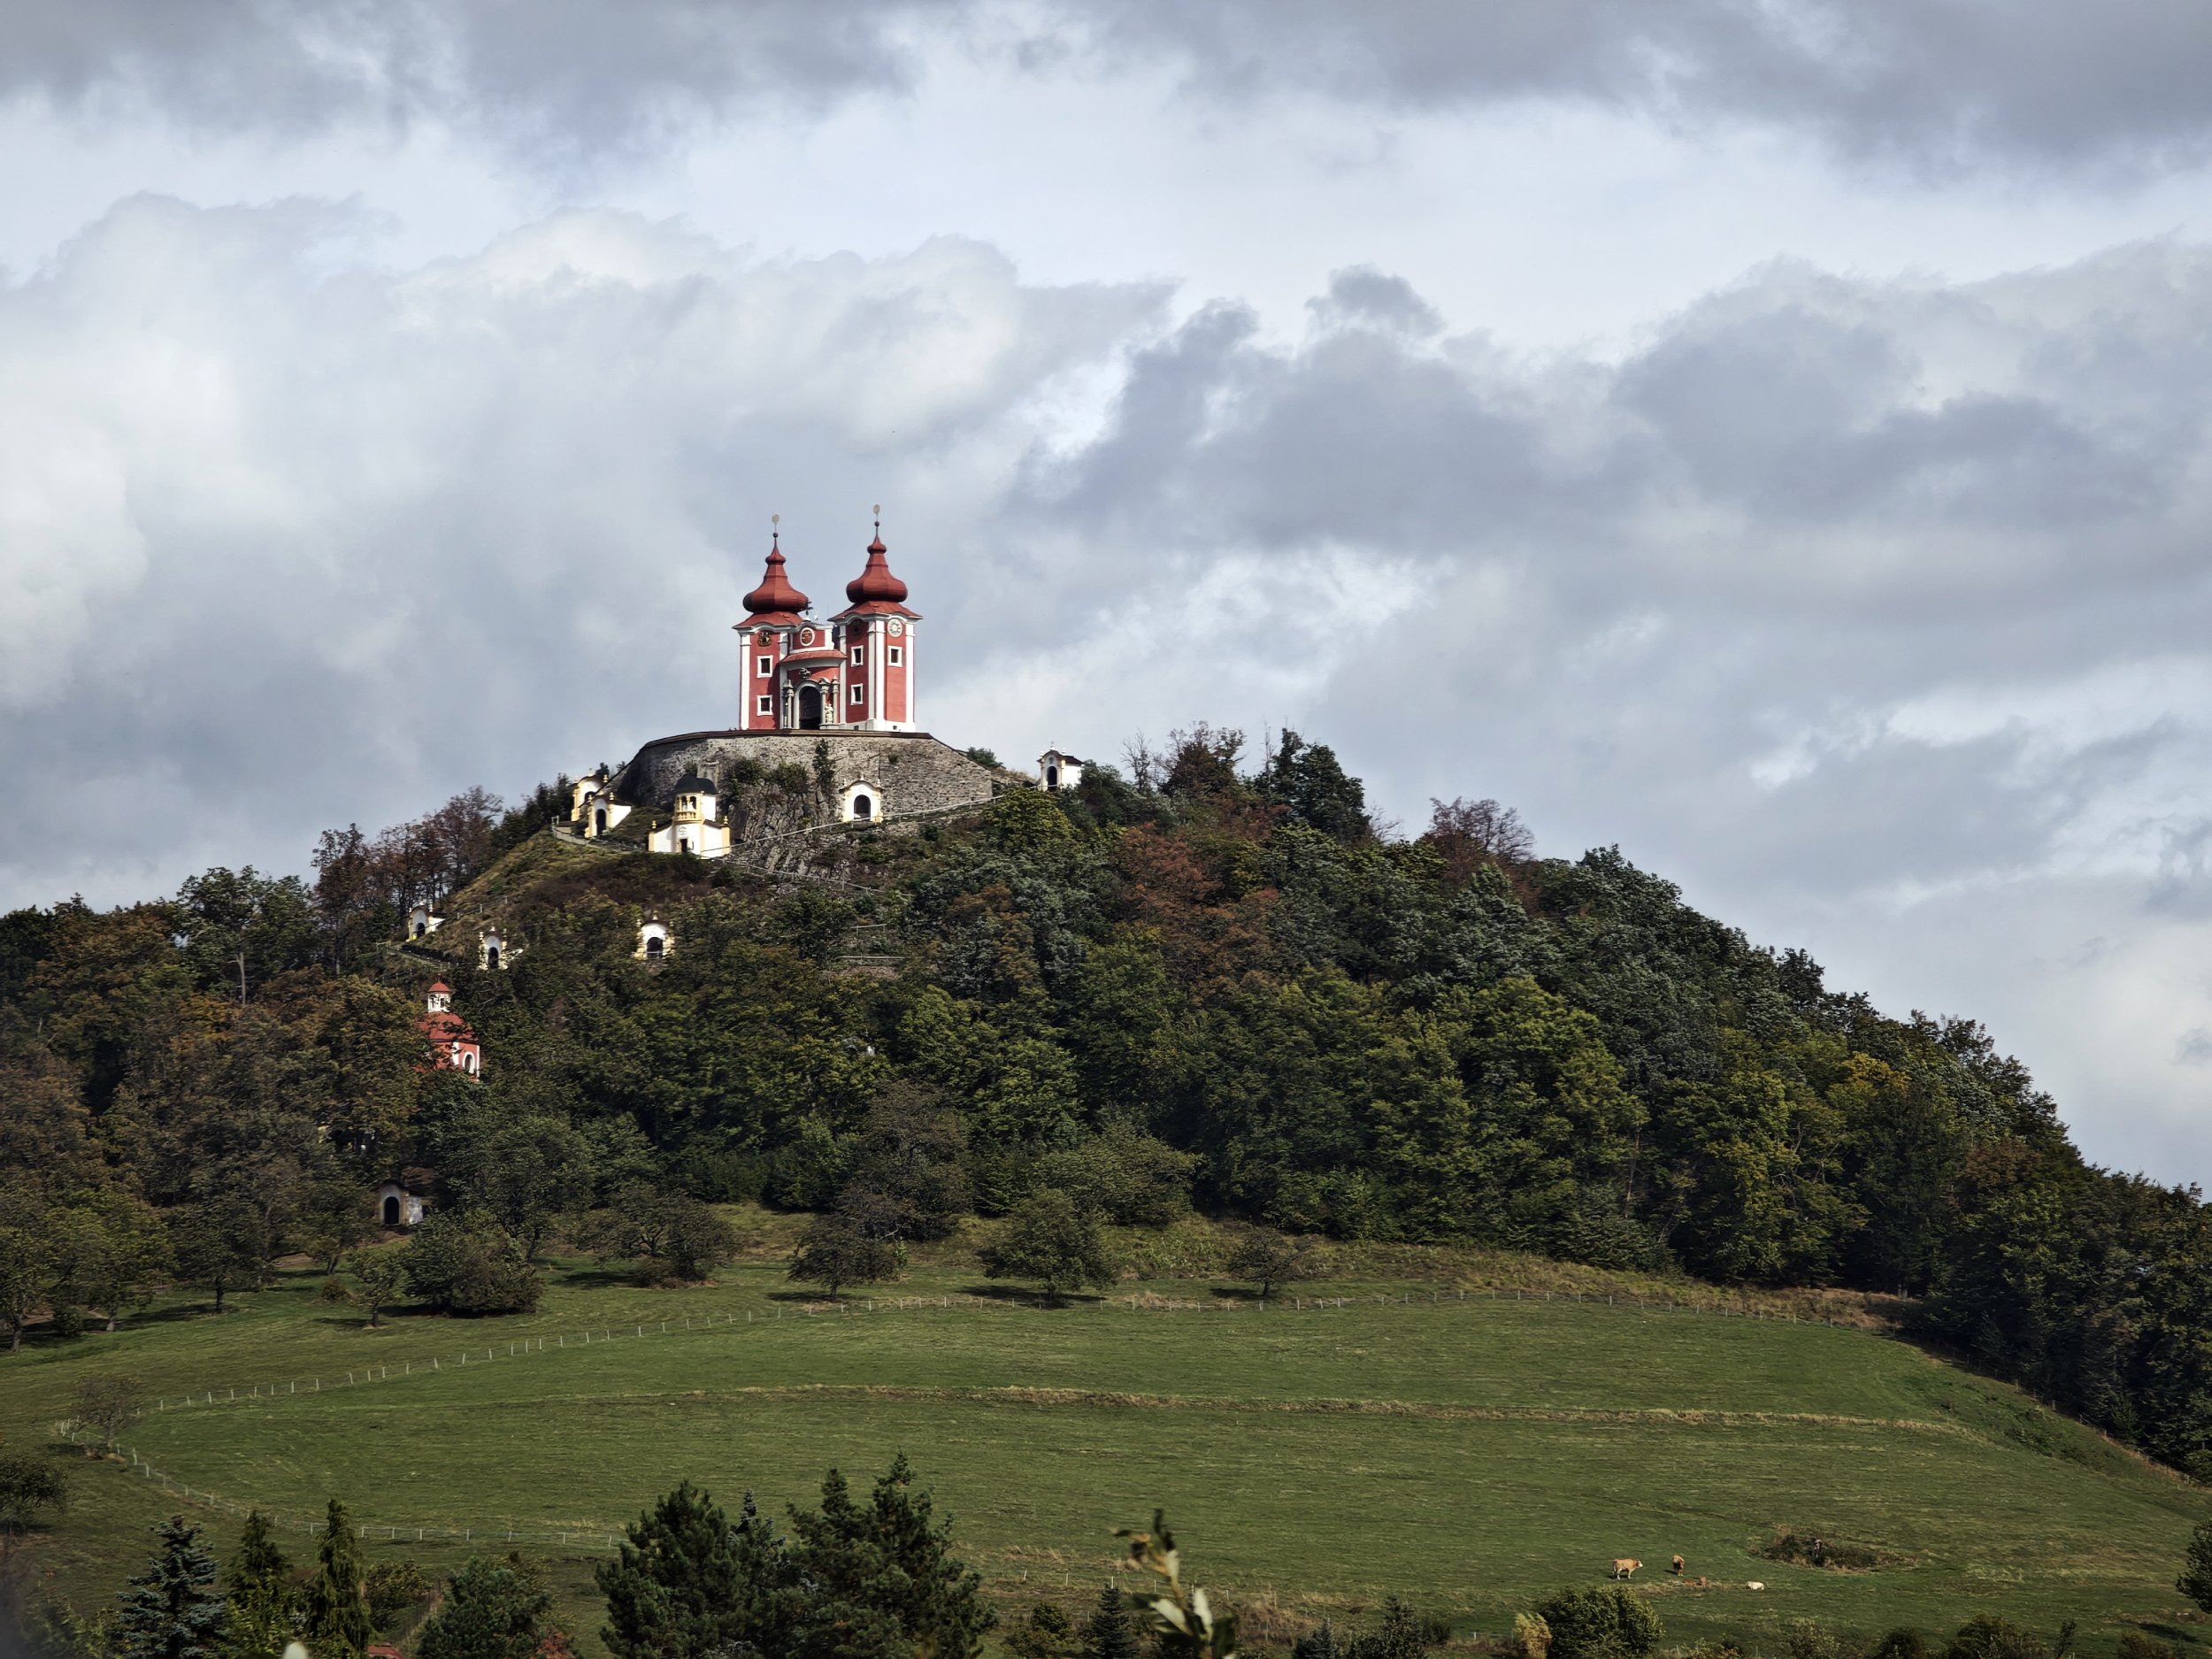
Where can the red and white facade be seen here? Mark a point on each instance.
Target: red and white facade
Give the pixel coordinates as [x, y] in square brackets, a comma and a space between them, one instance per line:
[854, 672]
[453, 1046]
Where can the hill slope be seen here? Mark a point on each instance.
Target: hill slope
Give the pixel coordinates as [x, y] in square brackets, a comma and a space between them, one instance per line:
[1469, 1454]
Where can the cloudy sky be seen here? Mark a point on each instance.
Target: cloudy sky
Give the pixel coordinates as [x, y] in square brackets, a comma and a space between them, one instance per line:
[1772, 435]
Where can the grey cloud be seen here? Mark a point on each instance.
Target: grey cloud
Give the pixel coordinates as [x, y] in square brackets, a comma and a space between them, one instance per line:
[1933, 84]
[561, 78]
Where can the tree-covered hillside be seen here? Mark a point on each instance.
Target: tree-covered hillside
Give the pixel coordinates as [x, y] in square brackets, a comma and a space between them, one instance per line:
[1189, 983]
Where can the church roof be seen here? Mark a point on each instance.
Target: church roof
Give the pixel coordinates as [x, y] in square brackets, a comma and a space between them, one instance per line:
[775, 600]
[876, 590]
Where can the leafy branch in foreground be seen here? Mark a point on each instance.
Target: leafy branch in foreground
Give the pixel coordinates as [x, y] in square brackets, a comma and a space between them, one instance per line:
[1183, 1619]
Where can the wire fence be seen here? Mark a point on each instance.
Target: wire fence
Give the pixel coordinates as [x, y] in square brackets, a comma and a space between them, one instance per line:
[598, 1539]
[556, 1342]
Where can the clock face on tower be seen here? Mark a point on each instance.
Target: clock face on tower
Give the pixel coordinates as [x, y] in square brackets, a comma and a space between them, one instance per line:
[806, 636]
[897, 627]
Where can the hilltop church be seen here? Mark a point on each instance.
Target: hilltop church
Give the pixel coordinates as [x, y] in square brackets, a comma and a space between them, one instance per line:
[837, 693]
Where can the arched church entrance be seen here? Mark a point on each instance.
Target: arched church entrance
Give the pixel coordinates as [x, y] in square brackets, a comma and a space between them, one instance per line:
[863, 809]
[599, 821]
[391, 1211]
[810, 708]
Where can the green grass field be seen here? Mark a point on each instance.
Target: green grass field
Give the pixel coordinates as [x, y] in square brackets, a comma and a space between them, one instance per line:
[1469, 1454]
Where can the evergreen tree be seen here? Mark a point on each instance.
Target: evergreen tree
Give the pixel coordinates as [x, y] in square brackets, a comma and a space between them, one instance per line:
[673, 1590]
[492, 1610]
[1108, 1633]
[1317, 1643]
[259, 1586]
[2195, 1581]
[891, 1568]
[337, 1612]
[172, 1610]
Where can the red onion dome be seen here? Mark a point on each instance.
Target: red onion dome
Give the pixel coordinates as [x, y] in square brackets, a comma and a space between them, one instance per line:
[875, 580]
[775, 595]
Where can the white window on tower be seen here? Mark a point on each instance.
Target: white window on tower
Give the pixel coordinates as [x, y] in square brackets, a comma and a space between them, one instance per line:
[898, 655]
[763, 705]
[767, 664]
[860, 694]
[860, 655]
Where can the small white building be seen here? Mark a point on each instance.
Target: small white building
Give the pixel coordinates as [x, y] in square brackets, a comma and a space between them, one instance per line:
[1057, 771]
[492, 949]
[655, 942]
[862, 803]
[396, 1207]
[594, 809]
[422, 921]
[694, 826]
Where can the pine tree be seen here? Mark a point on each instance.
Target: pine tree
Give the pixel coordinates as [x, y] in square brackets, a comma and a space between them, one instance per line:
[337, 1613]
[889, 1560]
[673, 1589]
[1110, 1633]
[492, 1610]
[171, 1611]
[2195, 1581]
[258, 1583]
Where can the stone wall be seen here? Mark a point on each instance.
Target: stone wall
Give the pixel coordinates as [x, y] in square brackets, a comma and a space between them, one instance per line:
[913, 771]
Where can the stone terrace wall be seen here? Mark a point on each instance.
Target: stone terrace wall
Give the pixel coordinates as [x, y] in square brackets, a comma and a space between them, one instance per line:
[912, 771]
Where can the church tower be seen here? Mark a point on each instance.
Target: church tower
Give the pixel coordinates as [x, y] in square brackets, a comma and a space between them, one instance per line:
[878, 630]
[854, 672]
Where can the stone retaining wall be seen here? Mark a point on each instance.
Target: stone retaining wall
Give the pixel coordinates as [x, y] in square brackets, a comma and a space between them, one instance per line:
[911, 771]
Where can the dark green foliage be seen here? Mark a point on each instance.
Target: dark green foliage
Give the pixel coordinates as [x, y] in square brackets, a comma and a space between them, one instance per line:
[1046, 1632]
[1052, 1240]
[1122, 1176]
[886, 1564]
[337, 1611]
[1110, 1632]
[685, 1584]
[669, 1234]
[32, 1486]
[1903, 1642]
[853, 1581]
[1307, 779]
[2135, 1644]
[391, 1587]
[1198, 984]
[173, 1611]
[1268, 1258]
[258, 1586]
[2195, 1581]
[1987, 1636]
[1588, 1623]
[1318, 1643]
[1402, 1635]
[459, 1265]
[855, 1243]
[493, 1610]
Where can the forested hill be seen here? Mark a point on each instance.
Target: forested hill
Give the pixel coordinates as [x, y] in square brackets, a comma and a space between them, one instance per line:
[1197, 979]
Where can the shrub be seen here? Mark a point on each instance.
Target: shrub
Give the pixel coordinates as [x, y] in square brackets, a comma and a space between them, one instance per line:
[2135, 1644]
[1130, 1178]
[1587, 1623]
[1986, 1636]
[1051, 1239]
[1904, 1642]
[462, 1268]
[392, 1587]
[1813, 1549]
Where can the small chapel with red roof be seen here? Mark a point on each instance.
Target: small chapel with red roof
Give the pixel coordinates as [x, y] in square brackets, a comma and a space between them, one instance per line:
[854, 672]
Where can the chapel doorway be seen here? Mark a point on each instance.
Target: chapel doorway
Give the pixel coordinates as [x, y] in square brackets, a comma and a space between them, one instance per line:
[391, 1211]
[810, 708]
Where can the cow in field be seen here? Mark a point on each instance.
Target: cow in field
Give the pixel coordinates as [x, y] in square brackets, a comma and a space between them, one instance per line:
[1677, 1568]
[1624, 1566]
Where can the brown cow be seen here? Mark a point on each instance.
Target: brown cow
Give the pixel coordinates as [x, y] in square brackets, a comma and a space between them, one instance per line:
[1625, 1567]
[1677, 1568]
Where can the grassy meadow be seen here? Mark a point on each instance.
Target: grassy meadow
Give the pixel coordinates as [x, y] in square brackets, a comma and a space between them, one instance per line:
[1469, 1454]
